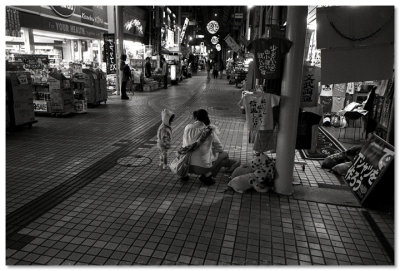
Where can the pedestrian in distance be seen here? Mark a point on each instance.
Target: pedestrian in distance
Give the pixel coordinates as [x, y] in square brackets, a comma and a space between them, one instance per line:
[208, 68]
[164, 72]
[147, 68]
[164, 136]
[126, 75]
[215, 70]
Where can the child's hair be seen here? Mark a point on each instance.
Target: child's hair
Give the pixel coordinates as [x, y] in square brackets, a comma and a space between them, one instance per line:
[123, 57]
[201, 115]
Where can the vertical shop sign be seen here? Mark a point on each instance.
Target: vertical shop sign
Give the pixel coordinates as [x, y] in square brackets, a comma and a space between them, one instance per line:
[232, 43]
[309, 91]
[369, 167]
[183, 30]
[109, 53]
[13, 26]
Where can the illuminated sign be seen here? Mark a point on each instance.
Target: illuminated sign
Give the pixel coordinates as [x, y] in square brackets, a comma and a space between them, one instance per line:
[218, 46]
[63, 11]
[213, 27]
[184, 30]
[214, 40]
[136, 25]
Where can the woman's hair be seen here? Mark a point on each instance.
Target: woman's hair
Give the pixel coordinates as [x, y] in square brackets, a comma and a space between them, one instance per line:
[201, 115]
[123, 57]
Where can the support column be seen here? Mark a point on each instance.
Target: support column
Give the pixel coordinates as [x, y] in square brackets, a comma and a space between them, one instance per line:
[118, 45]
[290, 99]
[260, 24]
[247, 23]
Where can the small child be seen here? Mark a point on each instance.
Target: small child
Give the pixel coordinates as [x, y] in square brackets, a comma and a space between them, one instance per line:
[164, 135]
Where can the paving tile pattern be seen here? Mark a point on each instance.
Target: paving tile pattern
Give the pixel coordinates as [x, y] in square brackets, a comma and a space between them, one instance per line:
[141, 215]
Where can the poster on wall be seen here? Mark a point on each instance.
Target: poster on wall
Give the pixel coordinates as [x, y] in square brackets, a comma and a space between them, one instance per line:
[109, 53]
[232, 43]
[369, 167]
[309, 91]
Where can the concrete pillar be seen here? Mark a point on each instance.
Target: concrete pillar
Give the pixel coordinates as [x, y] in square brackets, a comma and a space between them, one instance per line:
[290, 99]
[276, 14]
[247, 23]
[119, 40]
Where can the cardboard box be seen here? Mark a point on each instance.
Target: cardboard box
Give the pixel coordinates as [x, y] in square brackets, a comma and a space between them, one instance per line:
[80, 106]
[23, 113]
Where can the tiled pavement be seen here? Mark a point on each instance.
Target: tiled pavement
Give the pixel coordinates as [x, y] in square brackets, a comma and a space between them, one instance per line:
[86, 190]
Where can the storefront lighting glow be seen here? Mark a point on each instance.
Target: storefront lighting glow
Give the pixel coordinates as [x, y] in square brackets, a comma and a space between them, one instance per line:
[218, 47]
[213, 27]
[214, 40]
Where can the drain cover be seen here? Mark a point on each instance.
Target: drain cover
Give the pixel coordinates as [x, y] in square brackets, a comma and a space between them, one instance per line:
[134, 161]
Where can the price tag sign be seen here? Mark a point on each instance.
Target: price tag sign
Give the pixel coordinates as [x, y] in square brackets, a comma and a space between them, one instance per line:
[369, 167]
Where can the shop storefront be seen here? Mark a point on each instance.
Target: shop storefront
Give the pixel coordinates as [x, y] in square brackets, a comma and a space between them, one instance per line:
[59, 49]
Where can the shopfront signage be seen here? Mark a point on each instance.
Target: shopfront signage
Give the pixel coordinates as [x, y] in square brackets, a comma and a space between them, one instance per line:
[109, 53]
[13, 27]
[309, 90]
[86, 21]
[134, 21]
[183, 30]
[369, 167]
[32, 62]
[63, 11]
[232, 43]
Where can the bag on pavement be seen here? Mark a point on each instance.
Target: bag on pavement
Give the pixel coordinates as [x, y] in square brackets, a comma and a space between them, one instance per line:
[180, 165]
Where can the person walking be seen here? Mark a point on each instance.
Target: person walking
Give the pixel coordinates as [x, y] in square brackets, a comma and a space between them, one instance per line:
[215, 70]
[208, 68]
[126, 75]
[164, 72]
[147, 68]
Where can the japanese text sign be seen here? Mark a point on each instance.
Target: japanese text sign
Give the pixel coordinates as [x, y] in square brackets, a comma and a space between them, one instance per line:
[369, 167]
[309, 87]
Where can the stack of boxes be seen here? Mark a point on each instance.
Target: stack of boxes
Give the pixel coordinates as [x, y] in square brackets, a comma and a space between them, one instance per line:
[61, 95]
[80, 90]
[19, 98]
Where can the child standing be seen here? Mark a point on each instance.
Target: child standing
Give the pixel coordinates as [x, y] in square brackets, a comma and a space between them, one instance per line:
[164, 135]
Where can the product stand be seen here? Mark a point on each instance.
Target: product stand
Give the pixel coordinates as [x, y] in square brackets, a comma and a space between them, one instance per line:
[19, 99]
[61, 94]
[90, 87]
[79, 87]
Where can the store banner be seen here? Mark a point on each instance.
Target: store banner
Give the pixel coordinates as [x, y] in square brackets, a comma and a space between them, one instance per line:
[32, 62]
[90, 16]
[35, 21]
[232, 43]
[369, 167]
[309, 91]
[110, 54]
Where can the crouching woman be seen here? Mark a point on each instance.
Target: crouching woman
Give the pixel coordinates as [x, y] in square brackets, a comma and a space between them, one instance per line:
[209, 157]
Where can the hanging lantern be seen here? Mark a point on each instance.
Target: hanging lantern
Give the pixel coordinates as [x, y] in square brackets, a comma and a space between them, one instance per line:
[214, 40]
[213, 27]
[218, 47]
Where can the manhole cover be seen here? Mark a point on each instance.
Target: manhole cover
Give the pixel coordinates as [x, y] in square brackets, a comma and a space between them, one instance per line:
[134, 161]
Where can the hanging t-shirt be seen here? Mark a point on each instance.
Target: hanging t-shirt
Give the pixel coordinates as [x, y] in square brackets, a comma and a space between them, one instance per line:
[268, 54]
[326, 103]
[337, 103]
[304, 129]
[259, 112]
[326, 91]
